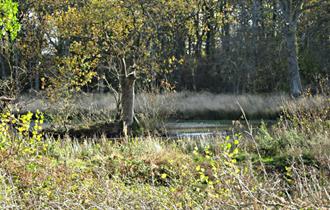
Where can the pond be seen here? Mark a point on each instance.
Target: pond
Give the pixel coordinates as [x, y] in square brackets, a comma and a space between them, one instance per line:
[199, 129]
[207, 128]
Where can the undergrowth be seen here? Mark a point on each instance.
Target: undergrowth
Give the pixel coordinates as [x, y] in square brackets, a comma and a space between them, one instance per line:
[286, 166]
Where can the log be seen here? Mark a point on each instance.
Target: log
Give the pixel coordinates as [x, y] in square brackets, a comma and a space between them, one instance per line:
[6, 99]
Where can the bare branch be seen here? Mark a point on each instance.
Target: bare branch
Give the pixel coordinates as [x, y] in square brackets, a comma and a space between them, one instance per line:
[6, 99]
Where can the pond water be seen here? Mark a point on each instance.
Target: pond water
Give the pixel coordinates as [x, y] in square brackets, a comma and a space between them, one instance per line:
[199, 129]
[208, 128]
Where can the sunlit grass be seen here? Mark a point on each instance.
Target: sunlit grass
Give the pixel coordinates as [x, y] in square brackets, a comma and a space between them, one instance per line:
[284, 166]
[158, 173]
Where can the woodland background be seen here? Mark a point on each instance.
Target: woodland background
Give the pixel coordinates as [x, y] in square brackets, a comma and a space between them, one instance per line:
[221, 46]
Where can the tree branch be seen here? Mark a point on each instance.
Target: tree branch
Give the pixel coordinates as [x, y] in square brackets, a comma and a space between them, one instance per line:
[6, 99]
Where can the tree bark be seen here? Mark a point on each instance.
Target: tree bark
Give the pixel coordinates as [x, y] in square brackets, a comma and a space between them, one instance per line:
[226, 27]
[293, 65]
[257, 17]
[128, 98]
[127, 82]
[291, 11]
[210, 34]
[3, 68]
[36, 81]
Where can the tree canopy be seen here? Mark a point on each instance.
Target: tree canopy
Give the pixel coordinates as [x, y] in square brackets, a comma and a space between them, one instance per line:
[218, 45]
[9, 25]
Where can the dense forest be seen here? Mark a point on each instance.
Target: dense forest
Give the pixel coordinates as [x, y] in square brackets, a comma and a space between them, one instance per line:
[223, 46]
[164, 104]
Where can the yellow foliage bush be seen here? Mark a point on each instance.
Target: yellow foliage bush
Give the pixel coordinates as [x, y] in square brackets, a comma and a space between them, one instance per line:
[22, 134]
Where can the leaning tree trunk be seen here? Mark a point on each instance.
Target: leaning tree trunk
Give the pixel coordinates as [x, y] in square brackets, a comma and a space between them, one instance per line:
[127, 101]
[293, 65]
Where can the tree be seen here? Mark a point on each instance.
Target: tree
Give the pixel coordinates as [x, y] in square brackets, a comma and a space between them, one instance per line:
[129, 39]
[9, 24]
[214, 45]
[315, 45]
[9, 27]
[291, 11]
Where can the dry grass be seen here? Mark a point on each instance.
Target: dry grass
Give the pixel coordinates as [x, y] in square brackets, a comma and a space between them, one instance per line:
[182, 105]
[130, 175]
[286, 167]
[190, 103]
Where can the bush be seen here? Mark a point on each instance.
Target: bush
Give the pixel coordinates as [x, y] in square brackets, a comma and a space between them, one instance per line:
[21, 135]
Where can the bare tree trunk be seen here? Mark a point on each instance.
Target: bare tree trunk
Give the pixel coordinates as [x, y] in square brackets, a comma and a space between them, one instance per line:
[127, 99]
[293, 65]
[36, 81]
[226, 27]
[256, 20]
[210, 34]
[29, 68]
[101, 85]
[127, 82]
[198, 49]
[291, 11]
[3, 68]
[2, 61]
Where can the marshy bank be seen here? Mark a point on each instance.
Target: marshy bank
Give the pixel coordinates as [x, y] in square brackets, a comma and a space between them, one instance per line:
[178, 105]
[286, 165]
[168, 112]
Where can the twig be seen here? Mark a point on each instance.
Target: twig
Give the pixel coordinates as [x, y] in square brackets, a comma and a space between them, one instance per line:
[250, 133]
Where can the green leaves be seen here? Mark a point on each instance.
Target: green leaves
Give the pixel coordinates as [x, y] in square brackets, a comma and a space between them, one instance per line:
[9, 25]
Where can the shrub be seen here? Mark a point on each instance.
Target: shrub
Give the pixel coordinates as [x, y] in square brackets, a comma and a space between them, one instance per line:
[21, 135]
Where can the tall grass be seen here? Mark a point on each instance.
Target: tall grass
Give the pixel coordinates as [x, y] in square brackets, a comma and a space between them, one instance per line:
[150, 173]
[277, 168]
[286, 166]
[153, 109]
[182, 103]
[222, 106]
